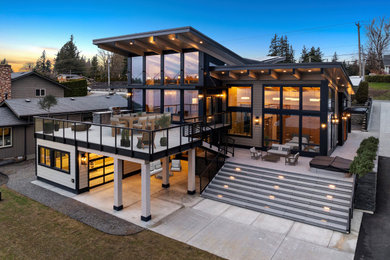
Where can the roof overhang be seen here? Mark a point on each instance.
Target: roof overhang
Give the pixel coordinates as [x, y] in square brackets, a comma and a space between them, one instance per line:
[176, 39]
[334, 72]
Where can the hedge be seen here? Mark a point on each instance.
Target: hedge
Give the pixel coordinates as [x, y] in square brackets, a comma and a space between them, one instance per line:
[362, 93]
[77, 88]
[363, 163]
[378, 78]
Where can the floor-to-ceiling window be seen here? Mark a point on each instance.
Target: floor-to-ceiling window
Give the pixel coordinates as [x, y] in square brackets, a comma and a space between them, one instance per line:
[136, 70]
[292, 117]
[153, 70]
[240, 107]
[191, 103]
[191, 67]
[153, 100]
[172, 69]
[137, 98]
[172, 101]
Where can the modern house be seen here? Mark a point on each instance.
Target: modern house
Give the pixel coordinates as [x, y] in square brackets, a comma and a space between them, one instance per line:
[205, 88]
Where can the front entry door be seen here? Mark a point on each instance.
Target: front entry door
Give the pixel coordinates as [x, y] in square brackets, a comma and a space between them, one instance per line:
[213, 105]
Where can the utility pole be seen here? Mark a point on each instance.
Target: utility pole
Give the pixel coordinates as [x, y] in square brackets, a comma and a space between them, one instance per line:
[108, 71]
[360, 53]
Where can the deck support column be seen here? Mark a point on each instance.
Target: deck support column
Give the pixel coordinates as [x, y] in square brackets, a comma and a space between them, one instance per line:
[165, 172]
[191, 171]
[145, 192]
[118, 173]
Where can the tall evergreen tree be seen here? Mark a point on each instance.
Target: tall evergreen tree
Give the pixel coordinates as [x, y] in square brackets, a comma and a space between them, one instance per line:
[280, 47]
[314, 55]
[274, 46]
[304, 55]
[4, 61]
[43, 65]
[94, 69]
[68, 59]
[335, 57]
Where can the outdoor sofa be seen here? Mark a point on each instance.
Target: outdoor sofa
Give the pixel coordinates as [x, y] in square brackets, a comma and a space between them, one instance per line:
[337, 164]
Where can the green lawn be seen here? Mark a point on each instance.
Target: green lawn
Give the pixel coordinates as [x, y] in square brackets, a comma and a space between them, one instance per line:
[30, 230]
[379, 90]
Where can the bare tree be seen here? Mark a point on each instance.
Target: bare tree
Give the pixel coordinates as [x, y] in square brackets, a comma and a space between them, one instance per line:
[29, 66]
[378, 34]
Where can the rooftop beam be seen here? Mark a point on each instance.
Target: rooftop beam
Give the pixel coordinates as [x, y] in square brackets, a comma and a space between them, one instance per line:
[233, 75]
[253, 75]
[132, 49]
[215, 75]
[168, 44]
[297, 74]
[274, 74]
[113, 49]
[147, 46]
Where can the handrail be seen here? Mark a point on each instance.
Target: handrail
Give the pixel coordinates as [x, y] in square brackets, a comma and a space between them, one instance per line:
[352, 203]
[209, 168]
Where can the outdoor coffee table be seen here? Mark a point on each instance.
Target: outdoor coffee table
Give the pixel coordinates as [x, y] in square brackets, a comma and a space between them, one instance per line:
[271, 158]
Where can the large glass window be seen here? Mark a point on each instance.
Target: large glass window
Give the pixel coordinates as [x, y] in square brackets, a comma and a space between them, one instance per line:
[172, 101]
[5, 137]
[331, 99]
[172, 69]
[55, 159]
[290, 130]
[136, 70]
[153, 70]
[153, 100]
[240, 97]
[61, 160]
[311, 98]
[191, 67]
[100, 169]
[271, 127]
[291, 98]
[272, 97]
[137, 99]
[241, 124]
[311, 133]
[191, 103]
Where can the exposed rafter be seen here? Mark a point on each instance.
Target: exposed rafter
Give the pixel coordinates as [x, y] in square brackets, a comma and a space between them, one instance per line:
[167, 44]
[147, 46]
[253, 75]
[274, 74]
[133, 49]
[215, 75]
[233, 75]
[297, 74]
[113, 49]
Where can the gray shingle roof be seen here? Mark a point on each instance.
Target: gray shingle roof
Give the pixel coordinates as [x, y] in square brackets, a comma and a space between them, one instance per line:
[15, 75]
[8, 118]
[386, 60]
[20, 75]
[21, 107]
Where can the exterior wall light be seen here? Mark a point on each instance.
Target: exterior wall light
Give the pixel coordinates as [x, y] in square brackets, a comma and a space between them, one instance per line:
[129, 94]
[257, 120]
[200, 96]
[83, 159]
[323, 126]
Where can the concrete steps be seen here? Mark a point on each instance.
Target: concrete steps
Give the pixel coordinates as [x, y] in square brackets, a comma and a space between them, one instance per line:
[316, 200]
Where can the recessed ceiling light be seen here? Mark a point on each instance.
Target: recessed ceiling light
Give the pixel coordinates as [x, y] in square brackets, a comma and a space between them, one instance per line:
[342, 85]
[201, 42]
[309, 70]
[131, 43]
[285, 71]
[262, 71]
[242, 72]
[338, 77]
[223, 72]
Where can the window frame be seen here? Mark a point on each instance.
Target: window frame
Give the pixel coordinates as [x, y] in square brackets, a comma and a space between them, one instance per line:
[3, 138]
[40, 92]
[52, 165]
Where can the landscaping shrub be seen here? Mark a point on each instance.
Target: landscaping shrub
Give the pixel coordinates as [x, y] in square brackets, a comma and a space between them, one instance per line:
[362, 92]
[363, 163]
[378, 78]
[77, 88]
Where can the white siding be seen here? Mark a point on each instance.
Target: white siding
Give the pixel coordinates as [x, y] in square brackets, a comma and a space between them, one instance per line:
[83, 174]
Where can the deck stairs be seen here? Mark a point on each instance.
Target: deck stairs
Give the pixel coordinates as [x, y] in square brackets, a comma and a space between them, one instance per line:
[323, 201]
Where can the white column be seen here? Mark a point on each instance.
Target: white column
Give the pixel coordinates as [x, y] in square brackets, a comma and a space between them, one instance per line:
[165, 173]
[118, 173]
[191, 172]
[145, 191]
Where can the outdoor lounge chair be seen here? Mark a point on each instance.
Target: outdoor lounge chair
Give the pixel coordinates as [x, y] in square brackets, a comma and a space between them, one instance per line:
[155, 167]
[291, 159]
[144, 140]
[254, 153]
[116, 121]
[336, 164]
[176, 165]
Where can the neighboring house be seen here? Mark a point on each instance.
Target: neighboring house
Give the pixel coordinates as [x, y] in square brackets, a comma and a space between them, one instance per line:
[17, 123]
[386, 63]
[67, 77]
[204, 87]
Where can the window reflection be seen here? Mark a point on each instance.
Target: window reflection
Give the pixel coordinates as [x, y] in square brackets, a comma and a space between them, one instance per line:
[136, 70]
[241, 124]
[153, 100]
[291, 98]
[191, 67]
[271, 129]
[172, 69]
[172, 101]
[137, 99]
[272, 97]
[240, 97]
[311, 133]
[191, 103]
[311, 98]
[153, 70]
[291, 131]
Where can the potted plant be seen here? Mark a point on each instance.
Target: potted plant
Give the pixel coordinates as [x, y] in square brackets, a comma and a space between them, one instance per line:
[163, 122]
[125, 141]
[46, 104]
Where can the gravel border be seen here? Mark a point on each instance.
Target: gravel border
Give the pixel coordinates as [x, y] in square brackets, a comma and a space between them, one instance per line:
[20, 181]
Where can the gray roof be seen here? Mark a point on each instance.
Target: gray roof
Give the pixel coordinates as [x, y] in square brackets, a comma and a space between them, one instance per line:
[8, 118]
[22, 107]
[15, 75]
[386, 60]
[20, 75]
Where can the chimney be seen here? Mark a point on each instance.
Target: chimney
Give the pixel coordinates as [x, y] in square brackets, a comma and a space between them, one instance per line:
[5, 82]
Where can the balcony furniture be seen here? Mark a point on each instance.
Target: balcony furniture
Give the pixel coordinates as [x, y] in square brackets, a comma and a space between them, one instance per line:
[155, 167]
[145, 140]
[141, 123]
[291, 159]
[176, 165]
[335, 164]
[270, 158]
[80, 127]
[279, 149]
[116, 121]
[254, 153]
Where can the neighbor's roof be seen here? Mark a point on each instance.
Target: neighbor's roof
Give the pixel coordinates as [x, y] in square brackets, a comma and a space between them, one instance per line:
[23, 107]
[355, 80]
[175, 39]
[19, 75]
[386, 60]
[8, 118]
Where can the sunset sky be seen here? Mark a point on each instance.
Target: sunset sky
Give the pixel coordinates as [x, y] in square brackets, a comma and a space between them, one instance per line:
[246, 27]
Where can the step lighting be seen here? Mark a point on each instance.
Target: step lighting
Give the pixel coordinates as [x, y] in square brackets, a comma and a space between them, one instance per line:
[332, 186]
[219, 196]
[238, 169]
[267, 207]
[226, 186]
[272, 197]
[232, 177]
[281, 177]
[276, 187]
[327, 209]
[329, 197]
[324, 220]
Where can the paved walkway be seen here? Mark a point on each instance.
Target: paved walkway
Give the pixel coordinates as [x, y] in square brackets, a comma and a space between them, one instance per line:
[20, 176]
